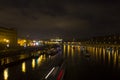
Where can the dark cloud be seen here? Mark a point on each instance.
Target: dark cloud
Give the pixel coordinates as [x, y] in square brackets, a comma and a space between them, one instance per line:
[64, 18]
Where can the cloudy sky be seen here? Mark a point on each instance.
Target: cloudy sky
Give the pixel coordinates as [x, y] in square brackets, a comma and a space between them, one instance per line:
[42, 19]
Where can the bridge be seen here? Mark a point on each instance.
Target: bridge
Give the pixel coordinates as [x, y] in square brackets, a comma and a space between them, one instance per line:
[110, 47]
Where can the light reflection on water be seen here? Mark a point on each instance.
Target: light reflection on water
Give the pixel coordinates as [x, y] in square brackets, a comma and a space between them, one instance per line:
[100, 55]
[115, 59]
[41, 59]
[78, 48]
[64, 49]
[103, 54]
[119, 60]
[24, 67]
[5, 73]
[33, 63]
[24, 64]
[70, 50]
[109, 57]
[7, 60]
[28, 65]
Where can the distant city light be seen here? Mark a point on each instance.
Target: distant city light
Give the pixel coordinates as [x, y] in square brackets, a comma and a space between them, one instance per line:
[8, 45]
[37, 43]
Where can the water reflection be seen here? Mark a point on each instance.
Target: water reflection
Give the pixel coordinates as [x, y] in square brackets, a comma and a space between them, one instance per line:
[72, 51]
[100, 53]
[22, 56]
[78, 48]
[115, 59]
[108, 56]
[33, 63]
[5, 73]
[119, 60]
[104, 54]
[64, 50]
[41, 59]
[5, 61]
[24, 67]
[68, 50]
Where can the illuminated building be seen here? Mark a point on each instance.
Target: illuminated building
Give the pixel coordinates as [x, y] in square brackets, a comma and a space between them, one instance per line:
[26, 42]
[8, 37]
[22, 42]
[56, 40]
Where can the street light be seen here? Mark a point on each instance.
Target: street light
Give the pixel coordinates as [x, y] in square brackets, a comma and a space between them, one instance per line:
[6, 42]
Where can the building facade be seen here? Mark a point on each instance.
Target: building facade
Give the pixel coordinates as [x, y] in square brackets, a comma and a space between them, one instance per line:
[8, 37]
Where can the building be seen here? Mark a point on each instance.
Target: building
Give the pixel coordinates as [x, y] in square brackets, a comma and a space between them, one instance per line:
[8, 37]
[56, 41]
[27, 42]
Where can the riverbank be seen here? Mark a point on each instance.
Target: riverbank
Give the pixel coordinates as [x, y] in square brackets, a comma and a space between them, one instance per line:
[22, 50]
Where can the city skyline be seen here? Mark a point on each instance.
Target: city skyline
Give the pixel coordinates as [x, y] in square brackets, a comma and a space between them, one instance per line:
[42, 19]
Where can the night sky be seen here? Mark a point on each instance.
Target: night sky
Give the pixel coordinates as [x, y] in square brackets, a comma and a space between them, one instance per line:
[67, 19]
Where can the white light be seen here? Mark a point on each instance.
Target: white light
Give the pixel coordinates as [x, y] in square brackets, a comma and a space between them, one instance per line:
[8, 45]
[37, 43]
[25, 45]
[50, 72]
